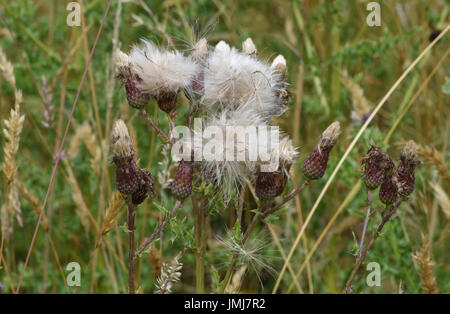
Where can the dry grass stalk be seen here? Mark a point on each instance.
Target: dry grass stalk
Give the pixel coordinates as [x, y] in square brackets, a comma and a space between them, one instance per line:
[155, 260]
[236, 281]
[442, 199]
[77, 196]
[432, 156]
[427, 275]
[34, 202]
[11, 132]
[7, 69]
[170, 274]
[360, 104]
[84, 134]
[112, 212]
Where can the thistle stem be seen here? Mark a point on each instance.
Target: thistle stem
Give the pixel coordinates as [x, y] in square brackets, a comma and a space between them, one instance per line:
[132, 261]
[384, 219]
[266, 210]
[156, 127]
[158, 229]
[200, 243]
[366, 222]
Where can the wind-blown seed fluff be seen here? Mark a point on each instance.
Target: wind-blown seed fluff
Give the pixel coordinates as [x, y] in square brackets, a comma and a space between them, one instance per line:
[233, 79]
[122, 62]
[249, 47]
[279, 64]
[161, 71]
[230, 173]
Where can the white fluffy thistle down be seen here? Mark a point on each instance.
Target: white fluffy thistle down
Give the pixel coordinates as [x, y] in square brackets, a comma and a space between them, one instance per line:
[231, 158]
[121, 140]
[279, 64]
[234, 79]
[122, 62]
[161, 71]
[200, 51]
[249, 47]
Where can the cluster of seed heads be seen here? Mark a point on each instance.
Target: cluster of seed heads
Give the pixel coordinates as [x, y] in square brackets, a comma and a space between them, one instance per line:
[395, 181]
[131, 180]
[229, 88]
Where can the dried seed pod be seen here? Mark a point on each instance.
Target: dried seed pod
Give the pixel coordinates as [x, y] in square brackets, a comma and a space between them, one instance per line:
[182, 183]
[266, 187]
[145, 188]
[279, 65]
[388, 191]
[248, 47]
[167, 101]
[315, 165]
[270, 184]
[136, 98]
[405, 171]
[375, 165]
[127, 174]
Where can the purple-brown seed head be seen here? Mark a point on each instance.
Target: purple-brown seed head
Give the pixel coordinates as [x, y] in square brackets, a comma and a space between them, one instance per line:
[405, 171]
[182, 183]
[315, 165]
[388, 191]
[375, 166]
[167, 101]
[271, 184]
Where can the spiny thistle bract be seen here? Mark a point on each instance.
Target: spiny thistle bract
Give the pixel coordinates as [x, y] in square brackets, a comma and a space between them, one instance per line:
[315, 165]
[375, 165]
[182, 183]
[405, 171]
[388, 193]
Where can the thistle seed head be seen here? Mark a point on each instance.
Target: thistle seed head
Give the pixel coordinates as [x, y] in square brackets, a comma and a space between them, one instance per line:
[222, 47]
[121, 140]
[127, 174]
[329, 137]
[200, 51]
[388, 191]
[167, 101]
[145, 189]
[315, 165]
[376, 165]
[122, 62]
[271, 184]
[135, 96]
[182, 183]
[248, 47]
[129, 177]
[405, 171]
[279, 65]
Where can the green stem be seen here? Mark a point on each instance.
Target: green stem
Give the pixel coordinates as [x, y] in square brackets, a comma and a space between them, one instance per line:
[200, 215]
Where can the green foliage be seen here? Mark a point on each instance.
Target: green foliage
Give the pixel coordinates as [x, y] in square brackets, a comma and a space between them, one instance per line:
[338, 40]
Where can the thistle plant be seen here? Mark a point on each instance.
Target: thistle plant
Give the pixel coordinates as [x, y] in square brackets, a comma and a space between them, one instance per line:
[229, 90]
[396, 183]
[136, 184]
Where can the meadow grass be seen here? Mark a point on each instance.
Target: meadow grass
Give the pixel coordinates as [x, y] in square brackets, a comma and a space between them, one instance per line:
[339, 68]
